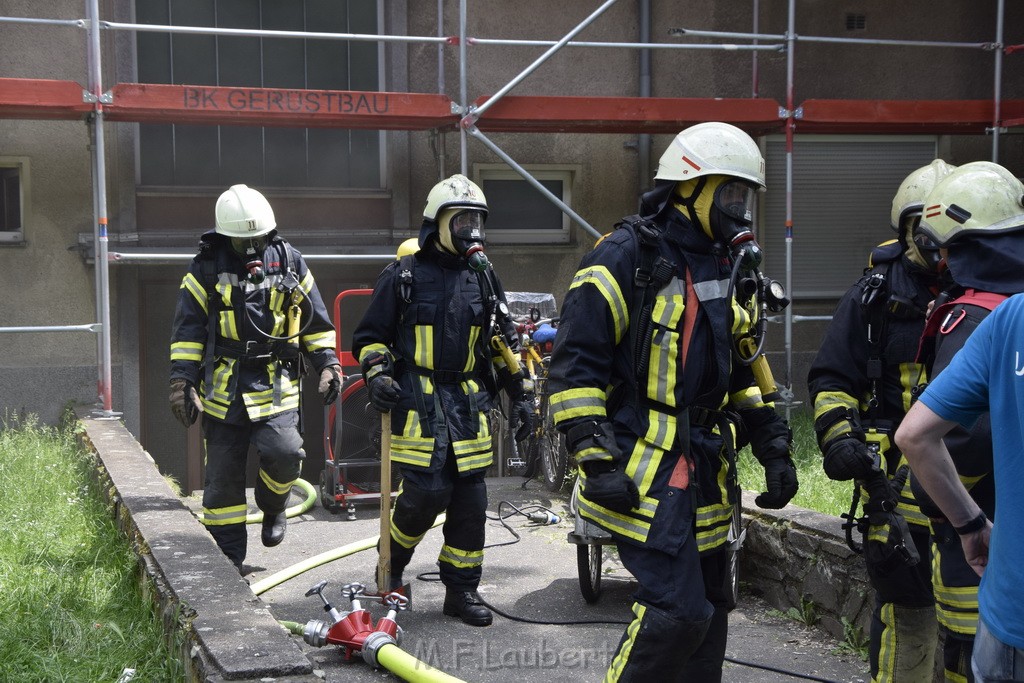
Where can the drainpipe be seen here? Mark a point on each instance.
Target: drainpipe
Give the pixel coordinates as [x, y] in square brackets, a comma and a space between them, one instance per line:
[643, 141]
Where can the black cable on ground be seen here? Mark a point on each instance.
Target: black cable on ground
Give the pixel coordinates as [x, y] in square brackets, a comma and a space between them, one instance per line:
[525, 512]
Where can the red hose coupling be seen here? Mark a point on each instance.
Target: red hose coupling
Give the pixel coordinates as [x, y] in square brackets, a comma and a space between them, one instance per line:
[351, 632]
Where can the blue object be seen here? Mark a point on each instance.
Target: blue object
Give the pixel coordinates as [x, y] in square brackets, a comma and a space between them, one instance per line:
[544, 334]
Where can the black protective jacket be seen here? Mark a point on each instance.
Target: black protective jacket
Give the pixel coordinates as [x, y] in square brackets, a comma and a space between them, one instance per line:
[664, 384]
[222, 337]
[874, 380]
[431, 316]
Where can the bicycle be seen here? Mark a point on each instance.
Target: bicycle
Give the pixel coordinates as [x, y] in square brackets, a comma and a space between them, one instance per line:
[545, 447]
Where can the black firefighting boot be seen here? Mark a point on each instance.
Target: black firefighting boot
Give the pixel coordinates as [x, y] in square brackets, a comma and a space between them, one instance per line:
[274, 527]
[467, 606]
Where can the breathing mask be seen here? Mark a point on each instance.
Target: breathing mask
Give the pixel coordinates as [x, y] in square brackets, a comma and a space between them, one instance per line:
[462, 233]
[251, 249]
[722, 206]
[922, 251]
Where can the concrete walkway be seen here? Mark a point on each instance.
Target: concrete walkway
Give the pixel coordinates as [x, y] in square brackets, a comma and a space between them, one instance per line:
[231, 634]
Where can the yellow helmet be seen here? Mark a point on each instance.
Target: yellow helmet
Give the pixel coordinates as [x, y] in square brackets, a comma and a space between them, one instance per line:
[978, 199]
[409, 246]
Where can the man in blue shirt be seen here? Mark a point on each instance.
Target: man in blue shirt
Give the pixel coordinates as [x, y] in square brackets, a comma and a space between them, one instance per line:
[981, 199]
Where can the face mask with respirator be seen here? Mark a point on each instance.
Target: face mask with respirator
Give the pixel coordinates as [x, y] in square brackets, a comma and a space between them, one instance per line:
[731, 218]
[251, 250]
[466, 230]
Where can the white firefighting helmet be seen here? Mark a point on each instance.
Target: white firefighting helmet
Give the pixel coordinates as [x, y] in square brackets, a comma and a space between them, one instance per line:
[457, 191]
[909, 199]
[243, 212]
[976, 200]
[712, 148]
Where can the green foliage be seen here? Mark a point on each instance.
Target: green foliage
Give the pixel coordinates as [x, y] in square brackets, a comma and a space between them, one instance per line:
[72, 608]
[854, 640]
[817, 491]
[806, 614]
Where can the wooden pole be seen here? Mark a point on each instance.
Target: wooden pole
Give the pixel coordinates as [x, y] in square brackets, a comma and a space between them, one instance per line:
[384, 552]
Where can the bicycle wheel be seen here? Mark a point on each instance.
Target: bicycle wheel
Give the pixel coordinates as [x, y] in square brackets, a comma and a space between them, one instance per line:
[551, 452]
[588, 564]
[731, 579]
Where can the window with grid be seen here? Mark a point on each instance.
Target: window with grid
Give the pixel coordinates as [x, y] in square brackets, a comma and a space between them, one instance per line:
[203, 156]
[517, 212]
[13, 199]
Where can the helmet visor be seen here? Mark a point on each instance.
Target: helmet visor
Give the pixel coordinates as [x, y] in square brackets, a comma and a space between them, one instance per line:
[468, 226]
[735, 199]
[249, 246]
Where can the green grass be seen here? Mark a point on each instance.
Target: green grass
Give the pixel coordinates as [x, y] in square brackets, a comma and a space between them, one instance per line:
[70, 606]
[817, 491]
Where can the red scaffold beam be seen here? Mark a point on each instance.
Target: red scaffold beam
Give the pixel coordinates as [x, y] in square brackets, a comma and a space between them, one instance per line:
[527, 114]
[903, 116]
[201, 104]
[30, 98]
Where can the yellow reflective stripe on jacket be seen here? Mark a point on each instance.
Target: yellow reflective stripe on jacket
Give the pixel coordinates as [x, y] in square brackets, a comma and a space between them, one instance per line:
[661, 429]
[713, 523]
[474, 335]
[747, 398]
[663, 360]
[319, 341]
[260, 404]
[234, 514]
[412, 450]
[277, 307]
[579, 402]
[185, 350]
[376, 348]
[198, 292]
[615, 668]
[643, 463]
[911, 375]
[226, 323]
[308, 282]
[275, 486]
[830, 400]
[602, 279]
[423, 348]
[460, 558]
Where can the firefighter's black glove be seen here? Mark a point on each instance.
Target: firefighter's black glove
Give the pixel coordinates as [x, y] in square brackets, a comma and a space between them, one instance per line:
[606, 485]
[780, 480]
[185, 403]
[330, 383]
[848, 459]
[383, 392]
[521, 420]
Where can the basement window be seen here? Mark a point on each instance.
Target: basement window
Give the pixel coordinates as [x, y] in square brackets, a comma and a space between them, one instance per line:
[13, 199]
[856, 22]
[517, 212]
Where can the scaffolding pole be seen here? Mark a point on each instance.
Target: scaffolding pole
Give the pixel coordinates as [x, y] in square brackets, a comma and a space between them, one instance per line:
[100, 210]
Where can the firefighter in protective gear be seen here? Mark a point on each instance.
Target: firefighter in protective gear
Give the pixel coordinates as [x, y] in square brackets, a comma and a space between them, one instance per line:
[248, 318]
[644, 387]
[862, 381]
[975, 215]
[425, 346]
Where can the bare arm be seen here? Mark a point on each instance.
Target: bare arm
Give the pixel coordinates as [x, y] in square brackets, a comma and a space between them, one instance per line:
[920, 438]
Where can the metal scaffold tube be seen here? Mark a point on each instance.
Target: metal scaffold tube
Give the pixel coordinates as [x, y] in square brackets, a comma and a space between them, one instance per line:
[100, 210]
